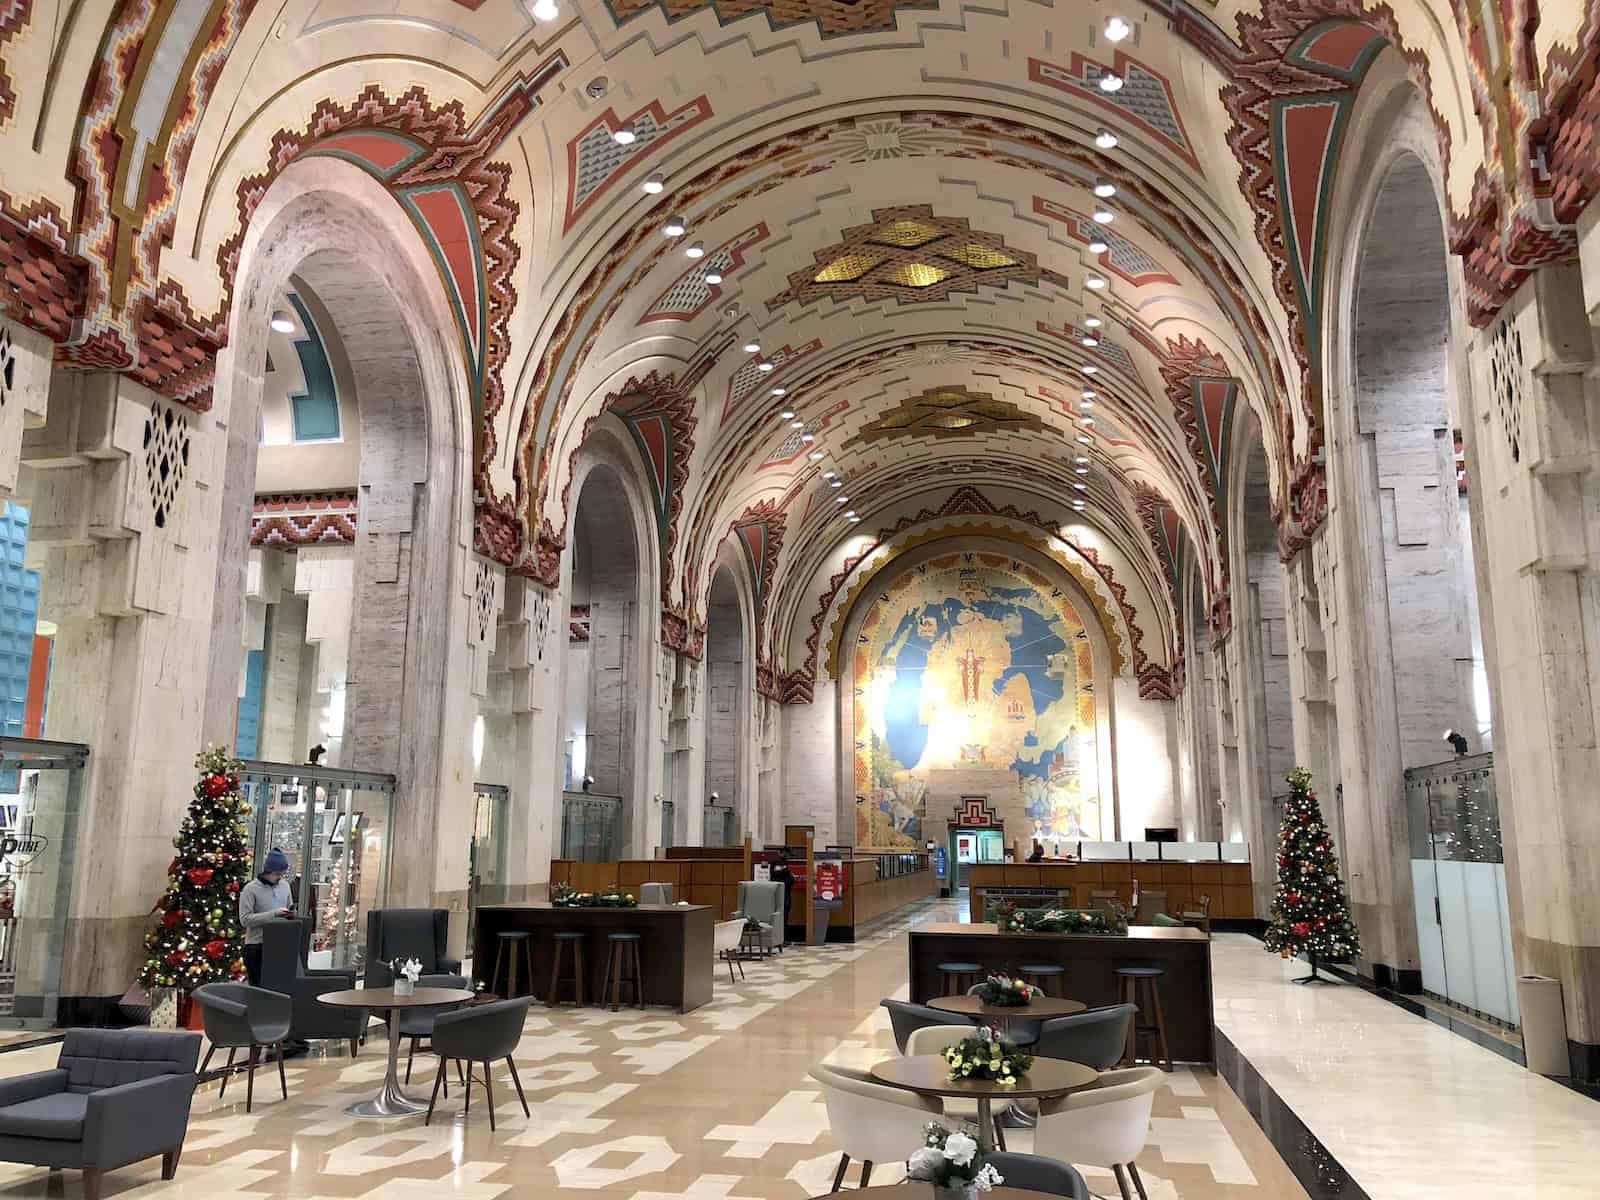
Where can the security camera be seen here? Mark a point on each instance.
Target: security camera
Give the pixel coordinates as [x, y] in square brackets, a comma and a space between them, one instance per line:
[1458, 743]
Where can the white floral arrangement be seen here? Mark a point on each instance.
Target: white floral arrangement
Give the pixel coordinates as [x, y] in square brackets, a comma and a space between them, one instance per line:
[950, 1158]
[411, 970]
[987, 1055]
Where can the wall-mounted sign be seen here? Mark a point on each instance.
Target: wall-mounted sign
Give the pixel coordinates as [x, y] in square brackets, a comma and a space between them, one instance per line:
[20, 849]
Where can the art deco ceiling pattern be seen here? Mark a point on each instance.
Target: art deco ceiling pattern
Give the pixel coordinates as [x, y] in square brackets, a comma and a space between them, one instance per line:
[1052, 252]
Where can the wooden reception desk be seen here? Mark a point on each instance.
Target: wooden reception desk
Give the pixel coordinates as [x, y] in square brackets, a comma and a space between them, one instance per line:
[1069, 884]
[675, 951]
[1091, 961]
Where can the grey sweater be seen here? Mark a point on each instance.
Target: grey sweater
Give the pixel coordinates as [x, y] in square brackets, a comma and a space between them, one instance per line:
[259, 903]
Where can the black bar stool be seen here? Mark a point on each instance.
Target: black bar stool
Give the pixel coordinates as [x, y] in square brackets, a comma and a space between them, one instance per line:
[959, 976]
[1044, 976]
[1141, 986]
[565, 938]
[622, 966]
[517, 943]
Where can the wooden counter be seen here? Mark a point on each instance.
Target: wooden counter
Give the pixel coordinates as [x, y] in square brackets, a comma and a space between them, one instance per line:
[868, 896]
[1227, 883]
[675, 950]
[1090, 961]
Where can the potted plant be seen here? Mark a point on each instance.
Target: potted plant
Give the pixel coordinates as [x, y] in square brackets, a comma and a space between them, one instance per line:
[1002, 991]
[406, 975]
[987, 1055]
[953, 1163]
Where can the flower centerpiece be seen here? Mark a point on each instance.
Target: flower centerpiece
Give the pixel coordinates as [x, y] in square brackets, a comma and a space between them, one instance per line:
[566, 896]
[1113, 921]
[951, 1161]
[406, 975]
[987, 1055]
[1002, 991]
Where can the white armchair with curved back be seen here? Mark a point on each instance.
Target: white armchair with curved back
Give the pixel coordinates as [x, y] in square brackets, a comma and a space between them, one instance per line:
[871, 1121]
[1104, 1126]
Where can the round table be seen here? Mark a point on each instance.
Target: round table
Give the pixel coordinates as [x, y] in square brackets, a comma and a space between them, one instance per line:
[929, 1075]
[390, 1100]
[1041, 1008]
[917, 1189]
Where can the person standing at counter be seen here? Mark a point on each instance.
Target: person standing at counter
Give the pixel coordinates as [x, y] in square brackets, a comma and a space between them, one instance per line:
[781, 874]
[1037, 853]
[265, 898]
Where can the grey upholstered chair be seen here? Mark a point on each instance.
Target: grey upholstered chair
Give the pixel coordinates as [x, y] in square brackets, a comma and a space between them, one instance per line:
[116, 1096]
[762, 901]
[1096, 1038]
[655, 893]
[417, 1023]
[419, 933]
[240, 1017]
[1036, 1173]
[905, 1019]
[484, 1034]
[283, 969]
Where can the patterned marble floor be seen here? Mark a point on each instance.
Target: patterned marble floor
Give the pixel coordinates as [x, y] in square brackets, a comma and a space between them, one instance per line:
[714, 1105]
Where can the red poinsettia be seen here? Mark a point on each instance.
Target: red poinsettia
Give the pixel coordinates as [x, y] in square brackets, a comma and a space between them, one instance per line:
[172, 918]
[200, 876]
[177, 958]
[1300, 928]
[217, 785]
[216, 948]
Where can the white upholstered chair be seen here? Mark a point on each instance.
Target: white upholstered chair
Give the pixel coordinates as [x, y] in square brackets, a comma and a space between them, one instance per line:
[725, 937]
[1103, 1126]
[932, 1039]
[871, 1121]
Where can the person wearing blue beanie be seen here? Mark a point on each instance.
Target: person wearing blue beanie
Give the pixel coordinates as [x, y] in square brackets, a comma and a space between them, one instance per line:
[265, 898]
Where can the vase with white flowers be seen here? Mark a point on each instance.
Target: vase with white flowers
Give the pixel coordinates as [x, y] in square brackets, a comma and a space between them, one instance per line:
[951, 1160]
[406, 975]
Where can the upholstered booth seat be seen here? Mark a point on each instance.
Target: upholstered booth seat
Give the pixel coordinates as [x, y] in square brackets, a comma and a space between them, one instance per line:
[404, 933]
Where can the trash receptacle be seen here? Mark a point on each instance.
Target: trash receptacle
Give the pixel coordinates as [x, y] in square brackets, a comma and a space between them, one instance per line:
[1544, 1024]
[819, 924]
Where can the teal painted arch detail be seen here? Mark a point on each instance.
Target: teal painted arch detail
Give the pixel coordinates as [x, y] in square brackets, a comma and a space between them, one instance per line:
[315, 411]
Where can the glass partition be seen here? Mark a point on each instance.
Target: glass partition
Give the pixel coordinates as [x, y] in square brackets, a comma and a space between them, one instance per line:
[334, 826]
[486, 862]
[591, 827]
[41, 785]
[669, 818]
[1103, 851]
[721, 828]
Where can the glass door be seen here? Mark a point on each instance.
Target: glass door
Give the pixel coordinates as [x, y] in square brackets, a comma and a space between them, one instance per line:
[486, 867]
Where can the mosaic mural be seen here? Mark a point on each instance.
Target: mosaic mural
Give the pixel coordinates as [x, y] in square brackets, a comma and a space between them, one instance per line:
[973, 660]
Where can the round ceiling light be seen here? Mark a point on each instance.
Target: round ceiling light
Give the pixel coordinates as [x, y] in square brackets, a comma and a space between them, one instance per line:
[841, 498]
[1106, 140]
[1092, 322]
[695, 250]
[851, 513]
[1117, 29]
[780, 391]
[1105, 189]
[1084, 439]
[282, 322]
[1110, 82]
[1090, 340]
[674, 227]
[1089, 397]
[1104, 216]
[787, 414]
[766, 366]
[808, 438]
[623, 135]
[654, 185]
[829, 474]
[752, 347]
[1095, 282]
[1082, 487]
[855, 520]
[713, 277]
[1081, 470]
[797, 424]
[1098, 245]
[545, 10]
[836, 483]
[816, 456]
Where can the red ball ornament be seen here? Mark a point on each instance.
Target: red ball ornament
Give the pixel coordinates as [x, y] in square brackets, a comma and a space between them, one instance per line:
[233, 887]
[216, 948]
[200, 876]
[177, 958]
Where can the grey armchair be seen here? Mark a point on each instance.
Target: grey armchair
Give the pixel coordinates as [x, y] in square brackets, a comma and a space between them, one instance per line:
[1036, 1173]
[1095, 1038]
[283, 969]
[116, 1096]
[419, 933]
[762, 901]
[655, 893]
[238, 1017]
[417, 1023]
[906, 1019]
[484, 1034]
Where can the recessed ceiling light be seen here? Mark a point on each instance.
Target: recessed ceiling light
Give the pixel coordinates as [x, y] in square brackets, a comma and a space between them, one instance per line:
[1085, 405]
[855, 520]
[808, 438]
[850, 512]
[1077, 505]
[1094, 282]
[780, 391]
[695, 250]
[765, 366]
[1082, 461]
[835, 482]
[841, 498]
[1081, 470]
[655, 185]
[1098, 245]
[1089, 369]
[674, 227]
[1111, 82]
[1089, 397]
[545, 10]
[816, 456]
[752, 347]
[1106, 140]
[1104, 216]
[1105, 189]
[829, 474]
[623, 135]
[1090, 340]
[1082, 487]
[1092, 322]
[787, 414]
[1084, 439]
[797, 424]
[282, 321]
[1117, 29]
[1089, 421]
[713, 277]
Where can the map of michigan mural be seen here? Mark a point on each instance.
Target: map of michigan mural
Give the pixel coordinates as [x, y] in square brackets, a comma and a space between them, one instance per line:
[973, 659]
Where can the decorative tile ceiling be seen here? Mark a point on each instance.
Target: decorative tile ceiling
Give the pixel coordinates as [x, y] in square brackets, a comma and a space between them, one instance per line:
[833, 17]
[947, 412]
[909, 254]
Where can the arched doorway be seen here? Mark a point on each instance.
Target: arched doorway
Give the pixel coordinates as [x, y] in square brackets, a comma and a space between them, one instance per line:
[731, 805]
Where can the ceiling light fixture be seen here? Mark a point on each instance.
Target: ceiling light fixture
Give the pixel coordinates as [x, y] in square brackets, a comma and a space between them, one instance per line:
[780, 391]
[816, 456]
[808, 438]
[787, 414]
[623, 135]
[1084, 439]
[545, 10]
[1110, 82]
[1089, 369]
[1083, 461]
[797, 424]
[1117, 29]
[766, 366]
[855, 520]
[282, 322]
[841, 498]
[1104, 216]
[713, 277]
[1090, 340]
[1105, 189]
[654, 185]
[1085, 405]
[1089, 397]
[1089, 421]
[1081, 470]
[850, 512]
[835, 483]
[752, 347]
[1094, 283]
[1092, 322]
[1082, 487]
[1098, 245]
[1106, 140]
[674, 227]
[695, 250]
[829, 474]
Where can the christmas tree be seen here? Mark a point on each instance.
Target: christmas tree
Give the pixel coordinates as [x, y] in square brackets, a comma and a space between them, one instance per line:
[1309, 914]
[197, 938]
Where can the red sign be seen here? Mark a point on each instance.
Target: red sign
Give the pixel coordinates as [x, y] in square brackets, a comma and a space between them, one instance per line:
[830, 881]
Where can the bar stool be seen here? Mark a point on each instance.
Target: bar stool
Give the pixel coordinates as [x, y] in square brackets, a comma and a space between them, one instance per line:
[565, 938]
[959, 976]
[622, 966]
[517, 942]
[1141, 986]
[1043, 976]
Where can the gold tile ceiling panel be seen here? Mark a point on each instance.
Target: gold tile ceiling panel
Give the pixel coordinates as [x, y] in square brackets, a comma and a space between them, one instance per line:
[909, 254]
[947, 412]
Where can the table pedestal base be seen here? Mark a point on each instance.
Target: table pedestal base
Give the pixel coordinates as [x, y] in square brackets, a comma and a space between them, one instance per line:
[390, 1100]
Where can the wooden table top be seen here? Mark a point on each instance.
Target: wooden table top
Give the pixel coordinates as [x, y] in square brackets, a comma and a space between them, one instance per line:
[1136, 933]
[423, 997]
[916, 1189]
[547, 906]
[1038, 1009]
[929, 1075]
